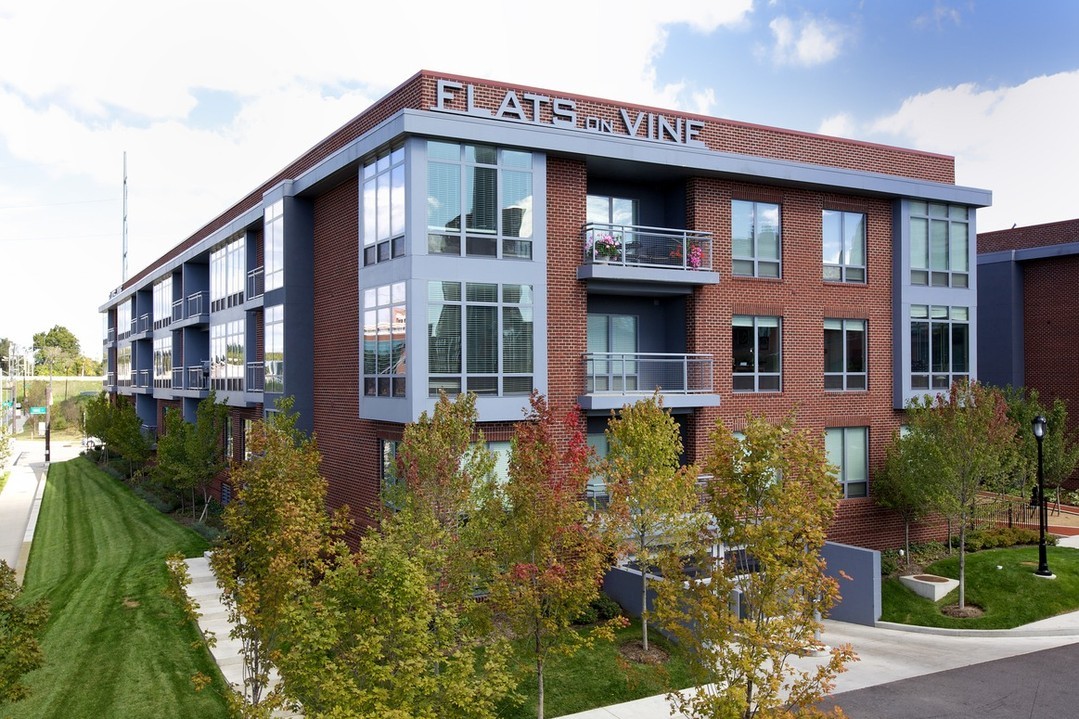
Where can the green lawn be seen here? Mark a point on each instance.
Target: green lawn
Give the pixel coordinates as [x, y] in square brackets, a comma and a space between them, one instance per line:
[599, 677]
[1011, 596]
[114, 645]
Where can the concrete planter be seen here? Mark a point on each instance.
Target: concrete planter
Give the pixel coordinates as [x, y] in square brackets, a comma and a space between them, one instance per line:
[929, 586]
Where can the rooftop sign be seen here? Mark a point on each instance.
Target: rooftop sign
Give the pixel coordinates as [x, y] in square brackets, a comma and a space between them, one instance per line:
[528, 107]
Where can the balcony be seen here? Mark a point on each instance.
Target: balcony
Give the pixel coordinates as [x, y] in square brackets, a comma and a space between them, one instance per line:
[668, 260]
[256, 374]
[177, 377]
[110, 381]
[196, 377]
[194, 310]
[614, 379]
[141, 379]
[110, 336]
[178, 310]
[256, 285]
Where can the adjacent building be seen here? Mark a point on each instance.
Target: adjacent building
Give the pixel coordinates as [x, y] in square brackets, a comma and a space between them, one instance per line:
[463, 235]
[1029, 319]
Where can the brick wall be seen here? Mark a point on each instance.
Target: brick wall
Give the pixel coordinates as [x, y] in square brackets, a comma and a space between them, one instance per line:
[1022, 238]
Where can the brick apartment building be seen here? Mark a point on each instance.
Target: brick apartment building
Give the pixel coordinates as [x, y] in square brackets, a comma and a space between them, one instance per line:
[1029, 321]
[466, 235]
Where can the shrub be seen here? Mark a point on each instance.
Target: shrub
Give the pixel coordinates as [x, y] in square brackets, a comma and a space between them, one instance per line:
[210, 534]
[889, 562]
[601, 609]
[999, 537]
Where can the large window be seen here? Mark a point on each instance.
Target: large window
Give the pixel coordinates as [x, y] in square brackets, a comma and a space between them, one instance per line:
[755, 240]
[123, 319]
[227, 356]
[384, 207]
[848, 451]
[479, 200]
[756, 350]
[274, 245]
[939, 245]
[123, 365]
[384, 331]
[227, 274]
[479, 341]
[274, 348]
[612, 344]
[939, 345]
[844, 246]
[606, 210]
[844, 354]
[163, 302]
[163, 362]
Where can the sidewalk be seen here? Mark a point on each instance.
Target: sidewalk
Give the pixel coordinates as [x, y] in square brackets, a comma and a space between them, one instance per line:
[20, 499]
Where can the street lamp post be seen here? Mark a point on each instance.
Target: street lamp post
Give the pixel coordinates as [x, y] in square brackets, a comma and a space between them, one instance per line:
[1038, 425]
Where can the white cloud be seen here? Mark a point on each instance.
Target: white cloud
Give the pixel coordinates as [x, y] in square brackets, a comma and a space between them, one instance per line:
[941, 14]
[807, 42]
[1014, 141]
[840, 125]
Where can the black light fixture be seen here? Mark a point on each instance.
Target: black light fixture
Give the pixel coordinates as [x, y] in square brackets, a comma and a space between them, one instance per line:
[1038, 425]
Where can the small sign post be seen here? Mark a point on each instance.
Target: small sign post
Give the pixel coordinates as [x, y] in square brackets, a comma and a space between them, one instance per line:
[37, 410]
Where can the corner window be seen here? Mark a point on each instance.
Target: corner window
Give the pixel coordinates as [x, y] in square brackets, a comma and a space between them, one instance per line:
[939, 245]
[844, 246]
[479, 341]
[844, 355]
[848, 451]
[755, 239]
[939, 346]
[384, 334]
[228, 273]
[163, 362]
[227, 358]
[163, 302]
[384, 207]
[274, 349]
[756, 350]
[274, 245]
[479, 201]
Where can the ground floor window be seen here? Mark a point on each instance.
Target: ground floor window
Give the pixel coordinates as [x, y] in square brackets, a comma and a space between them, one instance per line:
[848, 451]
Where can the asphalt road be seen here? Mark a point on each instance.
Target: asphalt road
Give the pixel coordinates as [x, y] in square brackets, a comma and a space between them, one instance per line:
[1039, 685]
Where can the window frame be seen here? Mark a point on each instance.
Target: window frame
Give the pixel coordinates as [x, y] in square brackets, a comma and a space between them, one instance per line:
[385, 319]
[955, 223]
[274, 246]
[847, 374]
[845, 268]
[757, 323]
[755, 238]
[843, 471]
[948, 319]
[273, 329]
[384, 201]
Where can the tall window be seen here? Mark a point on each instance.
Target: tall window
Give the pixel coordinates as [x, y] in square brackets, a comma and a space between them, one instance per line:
[939, 345]
[755, 240]
[389, 483]
[123, 319]
[227, 274]
[606, 210]
[479, 341]
[163, 302]
[227, 356]
[479, 201]
[123, 365]
[274, 245]
[844, 354]
[274, 348]
[848, 450]
[756, 350]
[612, 344]
[939, 245]
[384, 330]
[163, 362]
[384, 207]
[844, 246]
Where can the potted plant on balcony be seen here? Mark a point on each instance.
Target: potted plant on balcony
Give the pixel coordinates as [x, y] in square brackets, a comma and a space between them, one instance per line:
[606, 247]
[693, 260]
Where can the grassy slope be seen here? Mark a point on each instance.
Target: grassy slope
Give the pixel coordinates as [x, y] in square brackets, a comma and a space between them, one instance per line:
[1011, 596]
[114, 645]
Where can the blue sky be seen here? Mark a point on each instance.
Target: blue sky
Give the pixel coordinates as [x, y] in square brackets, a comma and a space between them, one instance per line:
[235, 90]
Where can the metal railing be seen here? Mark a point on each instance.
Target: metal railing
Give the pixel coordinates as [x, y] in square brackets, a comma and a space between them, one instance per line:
[110, 335]
[177, 377]
[256, 282]
[197, 304]
[110, 379]
[644, 372]
[256, 375]
[196, 377]
[639, 246]
[178, 310]
[142, 378]
[142, 324]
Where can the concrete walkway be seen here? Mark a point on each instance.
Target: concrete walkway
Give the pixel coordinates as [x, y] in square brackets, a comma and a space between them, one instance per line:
[20, 499]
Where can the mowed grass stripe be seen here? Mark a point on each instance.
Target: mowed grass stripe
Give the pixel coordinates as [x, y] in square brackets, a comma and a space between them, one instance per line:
[115, 646]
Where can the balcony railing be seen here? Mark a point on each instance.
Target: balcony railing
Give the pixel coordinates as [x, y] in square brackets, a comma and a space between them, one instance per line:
[177, 377]
[638, 246]
[178, 310]
[110, 379]
[142, 378]
[143, 323]
[256, 375]
[110, 336]
[196, 377]
[643, 373]
[256, 282]
[197, 304]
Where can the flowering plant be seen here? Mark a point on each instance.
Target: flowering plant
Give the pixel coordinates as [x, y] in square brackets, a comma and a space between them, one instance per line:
[696, 255]
[606, 246]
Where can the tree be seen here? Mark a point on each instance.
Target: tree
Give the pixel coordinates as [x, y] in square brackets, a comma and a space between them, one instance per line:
[125, 434]
[171, 467]
[278, 541]
[1060, 446]
[907, 482]
[64, 359]
[205, 448]
[552, 554]
[406, 604]
[969, 442]
[20, 622]
[772, 497]
[653, 498]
